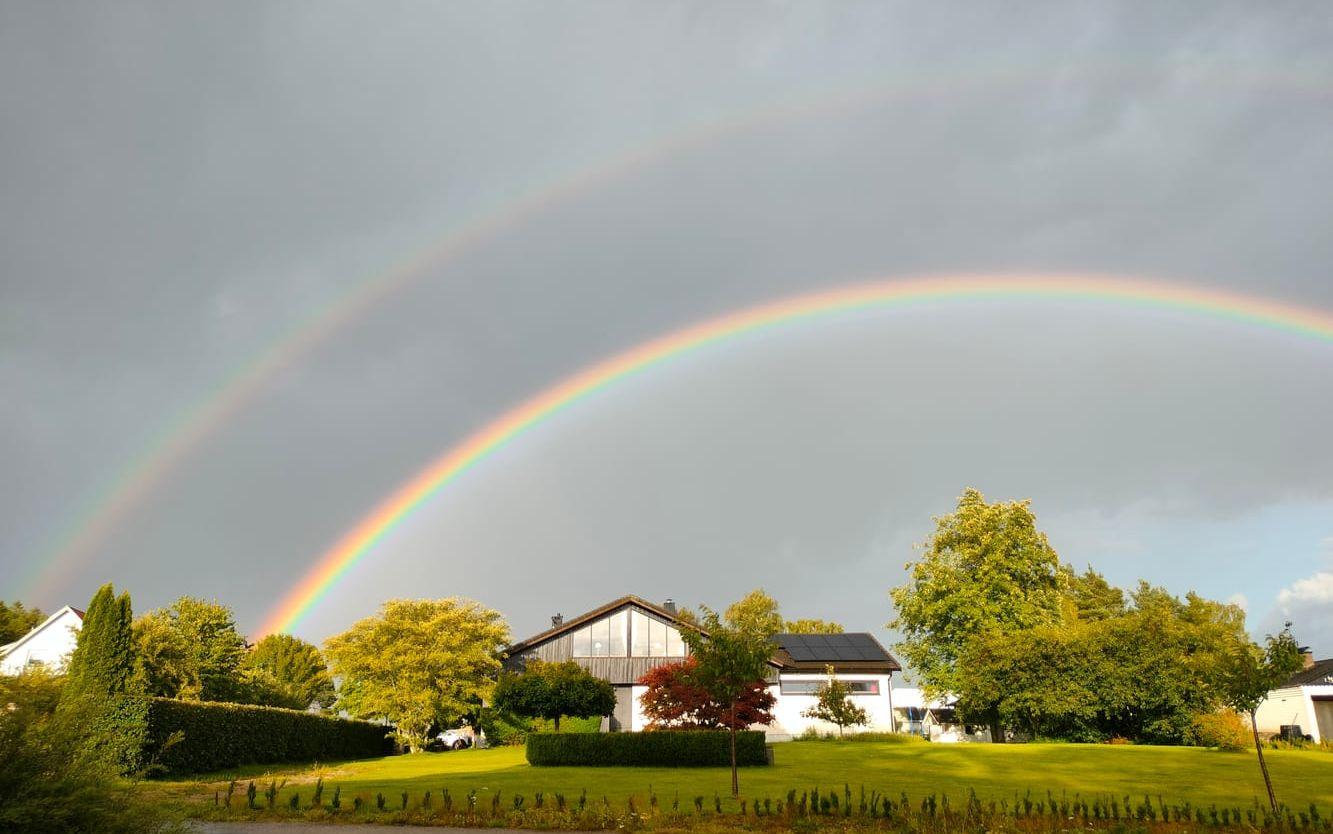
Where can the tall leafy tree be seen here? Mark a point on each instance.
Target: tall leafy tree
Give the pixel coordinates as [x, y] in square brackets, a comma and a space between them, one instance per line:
[101, 689]
[987, 567]
[418, 663]
[833, 703]
[16, 620]
[728, 661]
[808, 625]
[286, 671]
[756, 613]
[191, 650]
[1250, 674]
[1094, 598]
[553, 690]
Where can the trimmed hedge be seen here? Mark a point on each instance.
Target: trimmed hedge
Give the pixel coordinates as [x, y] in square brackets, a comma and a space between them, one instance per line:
[219, 736]
[665, 748]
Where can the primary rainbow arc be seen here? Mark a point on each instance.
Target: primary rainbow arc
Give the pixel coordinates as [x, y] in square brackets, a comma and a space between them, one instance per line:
[407, 498]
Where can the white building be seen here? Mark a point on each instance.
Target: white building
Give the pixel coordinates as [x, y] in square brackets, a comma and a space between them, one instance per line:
[49, 645]
[1305, 701]
[625, 638]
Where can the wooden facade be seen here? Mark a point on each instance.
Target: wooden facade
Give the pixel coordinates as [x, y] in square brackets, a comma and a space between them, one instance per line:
[620, 671]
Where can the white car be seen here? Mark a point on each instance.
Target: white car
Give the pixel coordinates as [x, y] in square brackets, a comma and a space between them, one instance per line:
[456, 739]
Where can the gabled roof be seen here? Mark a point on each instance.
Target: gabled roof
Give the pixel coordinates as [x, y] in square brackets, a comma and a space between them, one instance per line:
[574, 622]
[856, 651]
[1320, 674]
[17, 644]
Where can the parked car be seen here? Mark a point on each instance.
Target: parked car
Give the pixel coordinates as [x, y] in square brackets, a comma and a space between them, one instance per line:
[456, 739]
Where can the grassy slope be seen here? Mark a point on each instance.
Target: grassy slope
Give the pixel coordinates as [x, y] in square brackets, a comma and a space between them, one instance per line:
[1177, 773]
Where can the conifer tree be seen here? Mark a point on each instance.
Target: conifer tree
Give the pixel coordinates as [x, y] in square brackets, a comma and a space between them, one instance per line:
[101, 686]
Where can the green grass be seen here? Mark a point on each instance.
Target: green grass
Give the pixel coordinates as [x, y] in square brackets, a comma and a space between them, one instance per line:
[995, 771]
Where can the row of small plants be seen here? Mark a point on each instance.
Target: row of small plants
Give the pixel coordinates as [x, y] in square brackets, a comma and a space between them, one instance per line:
[808, 810]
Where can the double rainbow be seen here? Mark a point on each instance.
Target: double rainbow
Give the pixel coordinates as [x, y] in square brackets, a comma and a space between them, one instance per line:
[447, 468]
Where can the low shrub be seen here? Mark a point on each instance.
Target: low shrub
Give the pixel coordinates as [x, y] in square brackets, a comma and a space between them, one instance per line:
[676, 748]
[1225, 730]
[216, 736]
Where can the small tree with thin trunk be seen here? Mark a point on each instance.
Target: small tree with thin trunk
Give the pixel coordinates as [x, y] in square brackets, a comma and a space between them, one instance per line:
[833, 703]
[1250, 673]
[728, 660]
[552, 690]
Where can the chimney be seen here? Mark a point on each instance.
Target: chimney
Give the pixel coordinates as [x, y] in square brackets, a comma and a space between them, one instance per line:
[1307, 656]
[557, 620]
[669, 606]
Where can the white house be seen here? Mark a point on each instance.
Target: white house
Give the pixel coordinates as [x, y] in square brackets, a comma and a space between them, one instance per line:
[625, 638]
[48, 645]
[1305, 701]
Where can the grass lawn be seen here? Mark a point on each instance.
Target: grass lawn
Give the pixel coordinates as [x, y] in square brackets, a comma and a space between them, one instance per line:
[995, 771]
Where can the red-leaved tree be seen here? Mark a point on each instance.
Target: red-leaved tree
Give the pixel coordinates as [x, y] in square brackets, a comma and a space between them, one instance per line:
[675, 701]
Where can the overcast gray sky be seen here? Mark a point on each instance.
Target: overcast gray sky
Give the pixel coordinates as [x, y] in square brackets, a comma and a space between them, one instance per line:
[185, 184]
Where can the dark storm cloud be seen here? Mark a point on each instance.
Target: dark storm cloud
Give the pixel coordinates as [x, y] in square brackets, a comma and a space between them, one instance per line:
[183, 186]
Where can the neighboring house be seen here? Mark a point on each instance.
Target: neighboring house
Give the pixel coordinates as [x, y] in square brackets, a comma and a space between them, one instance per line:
[1305, 701]
[49, 645]
[622, 640]
[936, 719]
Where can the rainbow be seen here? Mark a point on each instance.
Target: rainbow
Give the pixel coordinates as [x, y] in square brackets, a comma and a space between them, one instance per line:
[166, 449]
[412, 495]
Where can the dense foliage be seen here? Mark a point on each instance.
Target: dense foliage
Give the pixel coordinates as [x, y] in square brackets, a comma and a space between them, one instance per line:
[17, 620]
[52, 779]
[217, 736]
[101, 692]
[685, 748]
[673, 700]
[757, 612]
[191, 650]
[419, 663]
[553, 690]
[286, 671]
[992, 617]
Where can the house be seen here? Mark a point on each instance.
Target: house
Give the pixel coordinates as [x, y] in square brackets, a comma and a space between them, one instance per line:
[933, 719]
[48, 645]
[1304, 701]
[625, 638]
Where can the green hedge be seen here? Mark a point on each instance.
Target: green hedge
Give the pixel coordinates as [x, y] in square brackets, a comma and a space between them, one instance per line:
[220, 736]
[666, 748]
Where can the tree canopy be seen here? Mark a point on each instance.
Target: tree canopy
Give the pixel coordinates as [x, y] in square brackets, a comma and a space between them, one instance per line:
[834, 704]
[674, 700]
[286, 671]
[553, 690]
[17, 620]
[418, 663]
[191, 650]
[759, 613]
[986, 568]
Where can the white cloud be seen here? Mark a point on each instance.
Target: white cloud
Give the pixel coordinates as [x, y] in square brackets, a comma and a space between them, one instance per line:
[1239, 600]
[1308, 605]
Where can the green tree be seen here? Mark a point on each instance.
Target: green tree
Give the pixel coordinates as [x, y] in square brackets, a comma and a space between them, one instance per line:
[191, 650]
[16, 621]
[986, 568]
[286, 671]
[418, 663]
[807, 625]
[728, 660]
[101, 692]
[552, 690]
[757, 613]
[1094, 598]
[833, 703]
[1250, 673]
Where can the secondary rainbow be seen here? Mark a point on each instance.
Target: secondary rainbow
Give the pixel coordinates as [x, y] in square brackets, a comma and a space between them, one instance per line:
[361, 539]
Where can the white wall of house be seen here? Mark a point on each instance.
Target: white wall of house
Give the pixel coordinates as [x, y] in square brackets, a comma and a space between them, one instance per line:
[789, 723]
[1311, 707]
[48, 645]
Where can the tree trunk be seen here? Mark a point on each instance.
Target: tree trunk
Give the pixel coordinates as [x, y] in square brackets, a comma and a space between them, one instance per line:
[996, 731]
[735, 781]
[557, 723]
[1263, 766]
[839, 731]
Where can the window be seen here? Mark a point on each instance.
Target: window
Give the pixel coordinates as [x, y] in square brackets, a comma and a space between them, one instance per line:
[857, 687]
[604, 638]
[653, 638]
